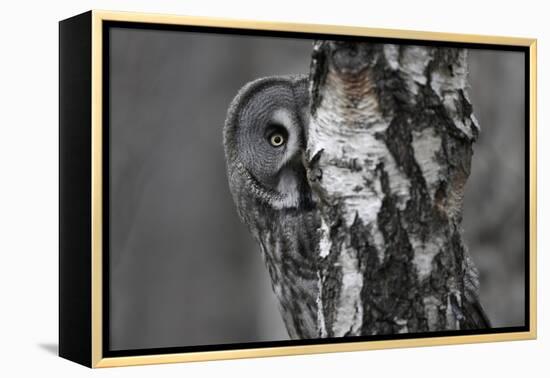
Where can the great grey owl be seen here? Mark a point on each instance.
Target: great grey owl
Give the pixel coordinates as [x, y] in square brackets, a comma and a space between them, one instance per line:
[264, 139]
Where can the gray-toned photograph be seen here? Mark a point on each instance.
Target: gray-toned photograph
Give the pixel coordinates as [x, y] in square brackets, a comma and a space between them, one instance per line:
[273, 188]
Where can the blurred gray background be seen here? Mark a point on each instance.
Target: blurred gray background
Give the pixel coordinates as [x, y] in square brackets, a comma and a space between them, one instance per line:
[183, 269]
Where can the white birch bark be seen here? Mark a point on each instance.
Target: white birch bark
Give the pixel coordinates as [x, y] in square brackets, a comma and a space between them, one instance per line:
[389, 147]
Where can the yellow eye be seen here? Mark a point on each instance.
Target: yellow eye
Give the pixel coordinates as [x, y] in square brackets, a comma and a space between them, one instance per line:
[276, 140]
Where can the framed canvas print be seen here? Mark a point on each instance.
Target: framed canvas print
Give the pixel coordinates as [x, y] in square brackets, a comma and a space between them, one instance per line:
[235, 189]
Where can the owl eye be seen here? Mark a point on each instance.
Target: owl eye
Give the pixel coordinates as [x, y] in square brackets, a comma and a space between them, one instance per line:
[276, 134]
[277, 139]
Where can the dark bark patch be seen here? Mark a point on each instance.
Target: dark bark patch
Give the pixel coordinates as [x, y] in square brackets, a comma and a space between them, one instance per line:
[331, 286]
[391, 90]
[385, 302]
[318, 74]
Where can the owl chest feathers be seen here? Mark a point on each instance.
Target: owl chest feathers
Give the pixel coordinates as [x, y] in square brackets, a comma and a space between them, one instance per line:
[288, 240]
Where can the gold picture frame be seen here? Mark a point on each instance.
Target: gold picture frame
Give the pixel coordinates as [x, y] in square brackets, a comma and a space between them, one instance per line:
[90, 329]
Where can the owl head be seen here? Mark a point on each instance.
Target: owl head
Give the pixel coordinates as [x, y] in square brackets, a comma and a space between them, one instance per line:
[264, 141]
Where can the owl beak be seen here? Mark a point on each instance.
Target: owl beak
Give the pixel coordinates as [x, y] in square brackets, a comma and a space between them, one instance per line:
[294, 161]
[297, 159]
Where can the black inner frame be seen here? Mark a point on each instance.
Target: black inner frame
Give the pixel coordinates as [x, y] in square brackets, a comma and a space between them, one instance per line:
[106, 25]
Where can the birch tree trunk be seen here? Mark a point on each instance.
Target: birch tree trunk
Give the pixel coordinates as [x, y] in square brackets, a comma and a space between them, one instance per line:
[389, 147]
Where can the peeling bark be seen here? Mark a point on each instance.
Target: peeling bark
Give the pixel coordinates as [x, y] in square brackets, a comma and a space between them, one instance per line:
[389, 147]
